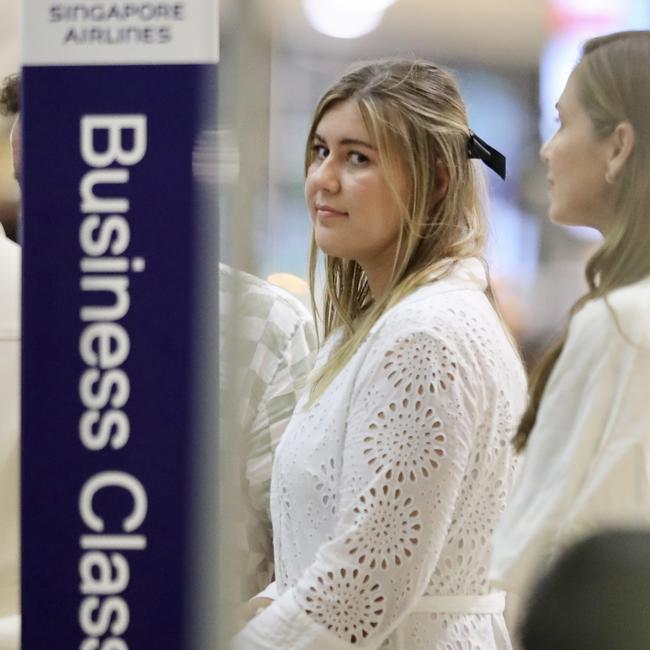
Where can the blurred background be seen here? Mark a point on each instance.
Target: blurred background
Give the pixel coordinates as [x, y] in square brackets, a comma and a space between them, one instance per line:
[511, 58]
[9, 61]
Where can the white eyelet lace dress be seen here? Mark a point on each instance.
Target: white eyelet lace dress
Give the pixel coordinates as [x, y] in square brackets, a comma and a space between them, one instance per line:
[386, 491]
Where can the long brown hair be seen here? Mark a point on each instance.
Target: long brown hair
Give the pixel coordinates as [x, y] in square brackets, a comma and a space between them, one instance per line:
[10, 95]
[613, 79]
[415, 114]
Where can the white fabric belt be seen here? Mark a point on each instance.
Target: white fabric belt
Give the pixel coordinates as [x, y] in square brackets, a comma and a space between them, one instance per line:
[485, 604]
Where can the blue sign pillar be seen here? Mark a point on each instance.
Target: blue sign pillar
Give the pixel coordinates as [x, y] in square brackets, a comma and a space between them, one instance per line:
[116, 98]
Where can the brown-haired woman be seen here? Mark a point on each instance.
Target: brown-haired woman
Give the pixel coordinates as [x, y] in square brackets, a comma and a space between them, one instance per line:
[587, 427]
[395, 466]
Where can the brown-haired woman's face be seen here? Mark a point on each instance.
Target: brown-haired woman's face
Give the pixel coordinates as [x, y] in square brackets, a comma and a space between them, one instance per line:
[576, 159]
[354, 212]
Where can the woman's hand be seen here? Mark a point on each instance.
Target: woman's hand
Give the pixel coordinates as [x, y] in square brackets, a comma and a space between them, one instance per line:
[251, 609]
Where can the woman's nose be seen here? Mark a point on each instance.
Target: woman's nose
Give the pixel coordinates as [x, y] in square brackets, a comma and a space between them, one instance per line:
[326, 176]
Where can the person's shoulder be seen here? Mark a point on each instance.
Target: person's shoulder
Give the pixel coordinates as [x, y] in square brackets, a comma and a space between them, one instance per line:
[632, 301]
[231, 280]
[439, 311]
[416, 325]
[623, 315]
[260, 298]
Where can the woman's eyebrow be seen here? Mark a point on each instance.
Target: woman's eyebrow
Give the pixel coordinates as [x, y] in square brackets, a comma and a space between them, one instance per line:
[346, 141]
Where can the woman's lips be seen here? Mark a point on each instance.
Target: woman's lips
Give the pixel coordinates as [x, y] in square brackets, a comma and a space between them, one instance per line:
[327, 212]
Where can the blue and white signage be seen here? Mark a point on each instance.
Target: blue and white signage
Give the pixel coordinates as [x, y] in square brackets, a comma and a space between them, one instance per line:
[116, 96]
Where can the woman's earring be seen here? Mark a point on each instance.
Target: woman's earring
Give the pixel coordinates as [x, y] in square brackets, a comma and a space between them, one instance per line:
[609, 178]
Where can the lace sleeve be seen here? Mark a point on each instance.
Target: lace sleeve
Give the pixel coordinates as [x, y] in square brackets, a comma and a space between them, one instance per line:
[409, 433]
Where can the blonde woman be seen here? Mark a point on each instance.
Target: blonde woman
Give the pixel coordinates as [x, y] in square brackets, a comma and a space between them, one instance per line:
[587, 427]
[394, 468]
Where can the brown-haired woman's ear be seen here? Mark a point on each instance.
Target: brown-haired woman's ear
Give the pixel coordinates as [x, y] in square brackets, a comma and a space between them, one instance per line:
[622, 141]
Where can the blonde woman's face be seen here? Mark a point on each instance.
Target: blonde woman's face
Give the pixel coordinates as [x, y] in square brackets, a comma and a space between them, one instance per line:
[354, 212]
[577, 164]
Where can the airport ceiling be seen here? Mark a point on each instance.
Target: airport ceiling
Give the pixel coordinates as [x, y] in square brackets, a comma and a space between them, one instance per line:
[498, 32]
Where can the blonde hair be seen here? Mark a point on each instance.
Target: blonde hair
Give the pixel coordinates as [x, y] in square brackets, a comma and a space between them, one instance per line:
[414, 113]
[613, 79]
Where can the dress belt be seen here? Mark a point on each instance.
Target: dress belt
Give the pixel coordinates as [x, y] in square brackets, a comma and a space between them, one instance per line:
[493, 603]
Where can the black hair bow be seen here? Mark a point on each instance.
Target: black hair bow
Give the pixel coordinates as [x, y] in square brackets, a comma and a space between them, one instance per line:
[477, 148]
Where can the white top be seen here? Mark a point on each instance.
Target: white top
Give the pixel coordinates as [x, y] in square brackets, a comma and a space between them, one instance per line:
[388, 488]
[588, 457]
[9, 441]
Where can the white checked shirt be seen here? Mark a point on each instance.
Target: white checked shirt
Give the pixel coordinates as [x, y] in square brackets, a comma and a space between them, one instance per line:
[276, 340]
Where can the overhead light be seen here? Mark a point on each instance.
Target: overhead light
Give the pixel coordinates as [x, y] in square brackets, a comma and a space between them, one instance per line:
[345, 18]
[589, 8]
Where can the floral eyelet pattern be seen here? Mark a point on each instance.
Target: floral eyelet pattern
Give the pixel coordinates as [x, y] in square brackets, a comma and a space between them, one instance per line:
[325, 485]
[347, 602]
[407, 442]
[390, 527]
[397, 475]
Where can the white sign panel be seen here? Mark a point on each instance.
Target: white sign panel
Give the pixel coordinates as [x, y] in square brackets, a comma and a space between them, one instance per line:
[120, 32]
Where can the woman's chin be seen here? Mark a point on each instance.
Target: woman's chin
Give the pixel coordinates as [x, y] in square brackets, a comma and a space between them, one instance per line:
[330, 248]
[559, 217]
